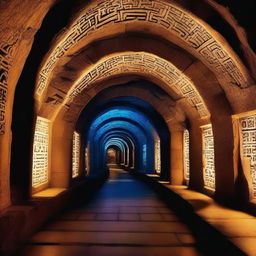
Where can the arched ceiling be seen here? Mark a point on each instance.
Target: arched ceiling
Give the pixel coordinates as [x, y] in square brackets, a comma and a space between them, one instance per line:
[165, 23]
[102, 110]
[142, 64]
[101, 19]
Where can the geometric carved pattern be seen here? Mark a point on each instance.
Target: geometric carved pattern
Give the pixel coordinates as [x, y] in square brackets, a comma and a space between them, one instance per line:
[76, 154]
[40, 152]
[158, 156]
[208, 157]
[248, 142]
[6, 59]
[186, 155]
[143, 63]
[159, 13]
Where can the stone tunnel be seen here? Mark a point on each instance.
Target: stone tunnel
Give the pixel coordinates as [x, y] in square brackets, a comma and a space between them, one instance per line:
[127, 127]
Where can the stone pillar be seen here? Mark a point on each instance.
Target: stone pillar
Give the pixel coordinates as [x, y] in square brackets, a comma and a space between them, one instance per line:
[5, 149]
[224, 162]
[196, 181]
[61, 155]
[176, 152]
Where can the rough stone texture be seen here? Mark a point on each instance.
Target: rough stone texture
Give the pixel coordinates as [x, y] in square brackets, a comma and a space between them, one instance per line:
[225, 87]
[17, 30]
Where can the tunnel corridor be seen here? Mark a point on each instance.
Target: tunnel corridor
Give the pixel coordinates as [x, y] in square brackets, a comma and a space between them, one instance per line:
[125, 217]
[127, 127]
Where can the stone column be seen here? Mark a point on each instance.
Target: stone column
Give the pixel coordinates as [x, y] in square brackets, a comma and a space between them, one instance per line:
[176, 155]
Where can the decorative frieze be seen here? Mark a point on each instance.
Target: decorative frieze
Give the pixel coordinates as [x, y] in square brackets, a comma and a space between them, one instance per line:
[162, 14]
[143, 63]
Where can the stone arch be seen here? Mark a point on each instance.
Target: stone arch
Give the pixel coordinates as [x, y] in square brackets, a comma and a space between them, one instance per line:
[177, 24]
[143, 64]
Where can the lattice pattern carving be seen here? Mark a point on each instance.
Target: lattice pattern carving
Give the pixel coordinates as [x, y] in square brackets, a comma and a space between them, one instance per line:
[248, 142]
[164, 14]
[6, 59]
[40, 152]
[142, 63]
[158, 156]
[208, 157]
[75, 155]
[186, 155]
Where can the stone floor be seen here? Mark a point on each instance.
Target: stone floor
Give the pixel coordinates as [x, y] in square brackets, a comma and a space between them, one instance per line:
[125, 218]
[237, 226]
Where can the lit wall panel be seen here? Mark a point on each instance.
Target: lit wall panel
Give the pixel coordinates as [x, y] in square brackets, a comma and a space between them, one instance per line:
[75, 154]
[208, 157]
[40, 152]
[186, 155]
[248, 149]
[158, 156]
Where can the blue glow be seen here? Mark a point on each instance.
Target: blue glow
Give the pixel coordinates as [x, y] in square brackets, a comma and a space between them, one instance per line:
[129, 130]
[123, 113]
[144, 155]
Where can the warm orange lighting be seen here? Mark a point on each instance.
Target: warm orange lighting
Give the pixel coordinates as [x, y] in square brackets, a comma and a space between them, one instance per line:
[158, 156]
[248, 148]
[50, 192]
[40, 152]
[208, 157]
[141, 63]
[196, 35]
[186, 155]
[76, 154]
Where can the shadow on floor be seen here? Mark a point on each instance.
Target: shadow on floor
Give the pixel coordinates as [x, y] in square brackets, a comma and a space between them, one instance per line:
[209, 240]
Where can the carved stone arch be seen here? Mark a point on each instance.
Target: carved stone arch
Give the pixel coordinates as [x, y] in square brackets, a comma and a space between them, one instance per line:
[175, 23]
[139, 63]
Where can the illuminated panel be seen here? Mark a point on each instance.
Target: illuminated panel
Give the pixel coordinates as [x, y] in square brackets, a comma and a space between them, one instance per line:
[158, 157]
[76, 154]
[248, 142]
[40, 152]
[86, 160]
[144, 150]
[186, 155]
[208, 157]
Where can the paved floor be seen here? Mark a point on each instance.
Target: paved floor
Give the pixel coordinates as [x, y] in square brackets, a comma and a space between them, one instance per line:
[239, 227]
[124, 219]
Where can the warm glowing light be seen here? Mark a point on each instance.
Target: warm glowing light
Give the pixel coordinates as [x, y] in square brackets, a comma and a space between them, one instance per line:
[141, 63]
[40, 152]
[196, 35]
[158, 156]
[49, 192]
[186, 155]
[208, 157]
[76, 154]
[248, 146]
